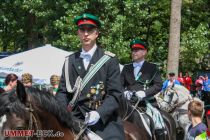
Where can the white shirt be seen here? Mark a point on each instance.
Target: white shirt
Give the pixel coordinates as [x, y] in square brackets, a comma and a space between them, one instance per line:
[171, 83]
[86, 60]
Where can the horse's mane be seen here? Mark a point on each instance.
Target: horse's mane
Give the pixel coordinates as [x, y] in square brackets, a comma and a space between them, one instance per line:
[42, 99]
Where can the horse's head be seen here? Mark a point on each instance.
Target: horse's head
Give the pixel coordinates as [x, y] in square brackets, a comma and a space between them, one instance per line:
[170, 98]
[173, 96]
[170, 95]
[14, 112]
[32, 109]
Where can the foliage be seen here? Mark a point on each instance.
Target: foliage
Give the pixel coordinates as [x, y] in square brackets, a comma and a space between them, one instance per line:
[51, 21]
[194, 48]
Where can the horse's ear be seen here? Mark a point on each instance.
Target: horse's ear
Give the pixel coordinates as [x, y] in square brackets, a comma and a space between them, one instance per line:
[21, 93]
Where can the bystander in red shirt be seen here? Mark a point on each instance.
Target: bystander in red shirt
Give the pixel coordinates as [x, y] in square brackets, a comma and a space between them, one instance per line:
[188, 81]
[181, 79]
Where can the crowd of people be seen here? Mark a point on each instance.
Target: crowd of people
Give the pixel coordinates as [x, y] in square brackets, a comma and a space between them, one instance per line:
[199, 87]
[185, 80]
[102, 86]
[27, 80]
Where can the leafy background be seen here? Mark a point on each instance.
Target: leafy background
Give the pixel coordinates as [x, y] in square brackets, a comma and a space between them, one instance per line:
[26, 24]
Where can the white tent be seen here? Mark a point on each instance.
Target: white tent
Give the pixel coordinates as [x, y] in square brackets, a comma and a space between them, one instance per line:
[41, 62]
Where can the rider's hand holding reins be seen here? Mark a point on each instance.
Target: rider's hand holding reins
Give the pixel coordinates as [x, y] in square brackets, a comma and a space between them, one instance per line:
[128, 94]
[92, 117]
[140, 94]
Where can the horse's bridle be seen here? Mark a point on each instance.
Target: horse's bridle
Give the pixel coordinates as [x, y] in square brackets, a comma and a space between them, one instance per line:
[177, 103]
[172, 106]
[32, 119]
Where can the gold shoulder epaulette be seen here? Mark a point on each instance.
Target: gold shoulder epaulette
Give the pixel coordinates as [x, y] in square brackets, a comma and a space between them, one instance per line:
[128, 64]
[109, 53]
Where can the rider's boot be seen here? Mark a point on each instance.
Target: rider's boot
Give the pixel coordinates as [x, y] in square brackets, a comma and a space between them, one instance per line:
[160, 134]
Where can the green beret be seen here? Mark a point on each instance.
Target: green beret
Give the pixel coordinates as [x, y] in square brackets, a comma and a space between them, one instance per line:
[138, 44]
[87, 19]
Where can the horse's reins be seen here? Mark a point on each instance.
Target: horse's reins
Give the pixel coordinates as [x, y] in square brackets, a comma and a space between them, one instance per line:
[76, 137]
[133, 108]
[32, 119]
[179, 104]
[84, 127]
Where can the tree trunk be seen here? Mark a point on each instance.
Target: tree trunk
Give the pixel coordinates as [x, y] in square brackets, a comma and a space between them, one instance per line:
[174, 40]
[31, 33]
[5, 38]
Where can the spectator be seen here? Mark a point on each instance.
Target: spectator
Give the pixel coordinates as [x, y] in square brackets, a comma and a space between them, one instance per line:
[27, 79]
[206, 99]
[10, 82]
[208, 121]
[54, 81]
[199, 86]
[188, 81]
[197, 129]
[170, 81]
[181, 79]
[206, 84]
[199, 82]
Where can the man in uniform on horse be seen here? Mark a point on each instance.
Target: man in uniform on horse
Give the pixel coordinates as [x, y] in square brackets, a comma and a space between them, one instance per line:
[142, 78]
[90, 83]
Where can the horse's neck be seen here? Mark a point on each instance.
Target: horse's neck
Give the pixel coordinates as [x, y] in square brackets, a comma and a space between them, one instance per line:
[184, 105]
[51, 123]
[184, 97]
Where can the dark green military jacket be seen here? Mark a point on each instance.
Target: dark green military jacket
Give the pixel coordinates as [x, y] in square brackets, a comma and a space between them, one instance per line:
[109, 126]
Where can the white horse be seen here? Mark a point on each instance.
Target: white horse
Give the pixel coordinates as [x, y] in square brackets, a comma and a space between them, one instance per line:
[175, 100]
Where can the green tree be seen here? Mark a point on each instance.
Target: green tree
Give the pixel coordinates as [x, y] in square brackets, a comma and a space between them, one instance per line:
[26, 24]
[195, 45]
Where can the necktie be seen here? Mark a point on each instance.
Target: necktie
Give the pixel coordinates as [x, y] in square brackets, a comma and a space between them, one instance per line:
[86, 59]
[85, 56]
[137, 67]
[136, 64]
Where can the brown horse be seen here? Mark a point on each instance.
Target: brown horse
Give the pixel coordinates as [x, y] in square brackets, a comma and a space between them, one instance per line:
[138, 116]
[32, 110]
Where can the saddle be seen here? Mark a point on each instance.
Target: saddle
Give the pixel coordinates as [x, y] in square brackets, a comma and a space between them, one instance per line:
[139, 113]
[133, 115]
[149, 121]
